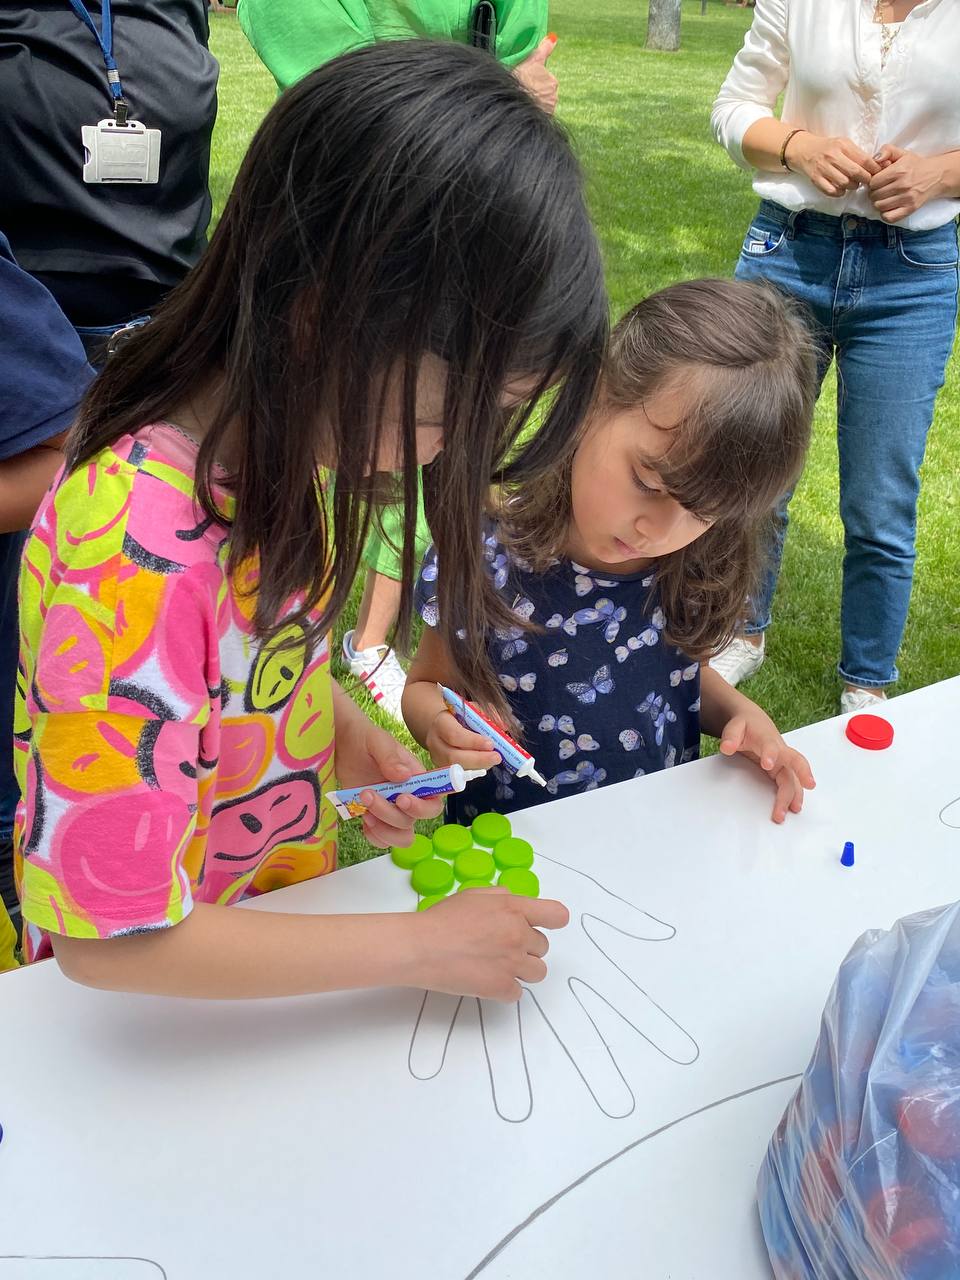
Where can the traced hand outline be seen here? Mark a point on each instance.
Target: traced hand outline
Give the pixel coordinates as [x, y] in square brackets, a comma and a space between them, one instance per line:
[951, 819]
[559, 1001]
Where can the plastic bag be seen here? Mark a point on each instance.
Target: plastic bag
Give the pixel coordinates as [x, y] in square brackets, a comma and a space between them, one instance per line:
[862, 1178]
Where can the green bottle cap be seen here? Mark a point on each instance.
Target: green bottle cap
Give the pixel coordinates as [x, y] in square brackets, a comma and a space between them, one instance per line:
[513, 852]
[488, 828]
[520, 880]
[474, 864]
[407, 857]
[473, 884]
[451, 839]
[432, 876]
[425, 903]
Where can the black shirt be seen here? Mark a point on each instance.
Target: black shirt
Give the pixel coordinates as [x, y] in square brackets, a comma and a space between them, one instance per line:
[130, 239]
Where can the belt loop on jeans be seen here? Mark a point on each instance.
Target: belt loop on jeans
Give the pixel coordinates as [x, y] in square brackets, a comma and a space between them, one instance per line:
[790, 230]
[891, 236]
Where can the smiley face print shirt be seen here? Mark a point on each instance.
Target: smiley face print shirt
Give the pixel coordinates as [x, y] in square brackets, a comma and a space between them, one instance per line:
[164, 755]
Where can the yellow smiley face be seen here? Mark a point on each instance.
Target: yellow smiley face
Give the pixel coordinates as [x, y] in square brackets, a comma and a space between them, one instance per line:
[277, 671]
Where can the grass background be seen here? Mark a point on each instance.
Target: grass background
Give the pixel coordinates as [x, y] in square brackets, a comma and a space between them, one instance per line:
[668, 205]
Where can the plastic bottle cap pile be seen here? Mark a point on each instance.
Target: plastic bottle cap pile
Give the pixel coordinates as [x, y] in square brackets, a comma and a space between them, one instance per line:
[475, 857]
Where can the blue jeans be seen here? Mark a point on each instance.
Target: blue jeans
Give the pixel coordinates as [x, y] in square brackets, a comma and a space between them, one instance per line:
[96, 338]
[884, 304]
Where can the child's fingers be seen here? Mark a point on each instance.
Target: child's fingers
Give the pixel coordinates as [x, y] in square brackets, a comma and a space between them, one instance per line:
[801, 767]
[399, 816]
[417, 807]
[451, 731]
[789, 797]
[450, 742]
[734, 733]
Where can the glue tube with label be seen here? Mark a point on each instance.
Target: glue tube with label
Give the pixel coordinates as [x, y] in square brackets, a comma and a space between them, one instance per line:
[511, 753]
[438, 782]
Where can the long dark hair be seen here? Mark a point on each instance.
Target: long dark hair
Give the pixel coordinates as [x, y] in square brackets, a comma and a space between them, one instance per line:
[744, 359]
[406, 198]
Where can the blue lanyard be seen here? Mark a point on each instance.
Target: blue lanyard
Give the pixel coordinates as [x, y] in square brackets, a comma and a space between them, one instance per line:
[105, 41]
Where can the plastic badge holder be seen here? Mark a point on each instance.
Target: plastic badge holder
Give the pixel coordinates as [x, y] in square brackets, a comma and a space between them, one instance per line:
[862, 1178]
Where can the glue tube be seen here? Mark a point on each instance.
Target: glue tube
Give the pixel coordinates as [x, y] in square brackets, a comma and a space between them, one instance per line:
[438, 782]
[512, 754]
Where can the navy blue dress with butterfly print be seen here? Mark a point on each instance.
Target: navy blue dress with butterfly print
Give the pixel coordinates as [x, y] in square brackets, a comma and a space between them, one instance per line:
[600, 694]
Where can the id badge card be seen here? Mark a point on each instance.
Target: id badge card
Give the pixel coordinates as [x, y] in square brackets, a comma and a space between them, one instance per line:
[120, 153]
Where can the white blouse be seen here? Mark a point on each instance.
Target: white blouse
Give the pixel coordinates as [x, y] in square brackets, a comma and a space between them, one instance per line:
[825, 55]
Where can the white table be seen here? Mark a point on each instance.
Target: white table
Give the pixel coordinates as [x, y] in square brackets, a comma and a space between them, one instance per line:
[186, 1139]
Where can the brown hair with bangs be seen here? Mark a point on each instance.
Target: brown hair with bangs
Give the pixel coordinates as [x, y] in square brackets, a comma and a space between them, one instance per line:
[744, 358]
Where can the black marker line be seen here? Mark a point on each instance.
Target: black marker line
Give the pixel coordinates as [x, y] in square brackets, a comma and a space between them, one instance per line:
[548, 1204]
[446, 1043]
[585, 916]
[79, 1257]
[954, 826]
[523, 1059]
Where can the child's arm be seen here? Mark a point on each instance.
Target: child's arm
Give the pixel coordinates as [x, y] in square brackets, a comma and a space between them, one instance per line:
[426, 715]
[24, 480]
[744, 728]
[483, 943]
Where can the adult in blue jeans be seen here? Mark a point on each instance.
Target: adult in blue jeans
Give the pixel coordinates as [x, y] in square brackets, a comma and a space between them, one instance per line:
[859, 181]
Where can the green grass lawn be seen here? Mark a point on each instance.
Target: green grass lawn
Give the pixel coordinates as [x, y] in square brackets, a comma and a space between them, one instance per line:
[668, 205]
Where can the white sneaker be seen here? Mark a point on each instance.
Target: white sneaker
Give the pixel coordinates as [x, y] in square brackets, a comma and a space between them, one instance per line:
[739, 660]
[861, 700]
[380, 670]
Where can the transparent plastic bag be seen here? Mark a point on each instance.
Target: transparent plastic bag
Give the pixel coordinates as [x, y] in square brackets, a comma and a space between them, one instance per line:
[862, 1178]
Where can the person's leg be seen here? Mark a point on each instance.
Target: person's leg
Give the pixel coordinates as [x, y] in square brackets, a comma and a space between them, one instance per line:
[803, 267]
[366, 649]
[894, 345]
[379, 607]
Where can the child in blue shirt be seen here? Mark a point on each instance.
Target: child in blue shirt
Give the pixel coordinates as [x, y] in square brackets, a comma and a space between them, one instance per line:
[613, 579]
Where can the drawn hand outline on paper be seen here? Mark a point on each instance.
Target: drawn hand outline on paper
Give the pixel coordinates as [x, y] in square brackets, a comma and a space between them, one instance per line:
[559, 1002]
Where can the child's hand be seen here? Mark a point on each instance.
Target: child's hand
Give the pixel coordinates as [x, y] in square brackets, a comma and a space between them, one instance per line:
[370, 754]
[485, 942]
[450, 743]
[754, 735]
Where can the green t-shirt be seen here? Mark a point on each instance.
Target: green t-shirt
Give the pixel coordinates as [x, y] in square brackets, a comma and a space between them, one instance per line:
[292, 37]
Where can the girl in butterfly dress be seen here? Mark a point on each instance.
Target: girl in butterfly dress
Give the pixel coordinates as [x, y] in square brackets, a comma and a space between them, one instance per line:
[632, 563]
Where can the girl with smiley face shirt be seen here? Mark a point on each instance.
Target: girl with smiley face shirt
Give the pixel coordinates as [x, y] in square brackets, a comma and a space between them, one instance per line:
[177, 725]
[632, 563]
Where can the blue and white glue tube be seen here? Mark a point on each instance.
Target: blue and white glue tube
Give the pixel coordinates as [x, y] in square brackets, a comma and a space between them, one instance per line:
[438, 782]
[511, 753]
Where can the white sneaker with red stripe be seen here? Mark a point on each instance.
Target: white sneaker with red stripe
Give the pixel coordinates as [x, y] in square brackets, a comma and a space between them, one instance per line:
[380, 670]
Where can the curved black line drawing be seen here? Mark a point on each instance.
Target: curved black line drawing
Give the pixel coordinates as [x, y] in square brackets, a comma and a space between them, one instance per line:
[540, 1210]
[78, 1257]
[575, 985]
[954, 826]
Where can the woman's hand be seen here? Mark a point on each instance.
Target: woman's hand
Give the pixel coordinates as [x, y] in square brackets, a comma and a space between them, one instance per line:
[366, 753]
[834, 165]
[536, 79]
[485, 942]
[904, 183]
[450, 743]
[753, 734]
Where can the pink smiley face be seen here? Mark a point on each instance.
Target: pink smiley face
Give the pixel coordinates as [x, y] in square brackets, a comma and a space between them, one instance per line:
[134, 864]
[242, 831]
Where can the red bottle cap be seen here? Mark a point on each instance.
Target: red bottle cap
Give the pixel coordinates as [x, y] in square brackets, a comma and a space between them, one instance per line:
[873, 733]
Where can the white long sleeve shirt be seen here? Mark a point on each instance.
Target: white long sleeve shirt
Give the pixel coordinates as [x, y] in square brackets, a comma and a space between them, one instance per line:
[824, 55]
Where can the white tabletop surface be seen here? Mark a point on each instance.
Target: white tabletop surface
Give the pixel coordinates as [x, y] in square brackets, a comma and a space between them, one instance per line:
[612, 1126]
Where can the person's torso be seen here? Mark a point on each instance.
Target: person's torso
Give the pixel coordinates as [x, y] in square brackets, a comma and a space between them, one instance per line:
[127, 611]
[841, 84]
[52, 82]
[599, 693]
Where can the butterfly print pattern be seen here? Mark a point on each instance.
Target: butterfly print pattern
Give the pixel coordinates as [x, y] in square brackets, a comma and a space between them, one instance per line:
[599, 694]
